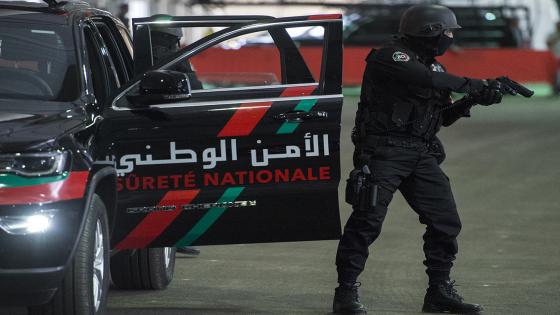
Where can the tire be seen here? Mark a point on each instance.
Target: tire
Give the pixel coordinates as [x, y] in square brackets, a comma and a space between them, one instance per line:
[143, 269]
[84, 289]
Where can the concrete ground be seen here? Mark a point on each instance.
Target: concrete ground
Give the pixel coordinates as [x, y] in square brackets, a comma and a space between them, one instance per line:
[503, 165]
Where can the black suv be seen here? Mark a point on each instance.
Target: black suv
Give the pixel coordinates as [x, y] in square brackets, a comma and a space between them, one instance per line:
[109, 162]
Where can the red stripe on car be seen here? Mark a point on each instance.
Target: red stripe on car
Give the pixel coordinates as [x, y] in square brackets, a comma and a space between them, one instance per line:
[247, 116]
[73, 187]
[155, 223]
[325, 17]
[245, 119]
[298, 91]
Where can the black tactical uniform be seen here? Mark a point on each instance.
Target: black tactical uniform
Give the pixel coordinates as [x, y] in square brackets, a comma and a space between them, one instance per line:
[405, 100]
[166, 42]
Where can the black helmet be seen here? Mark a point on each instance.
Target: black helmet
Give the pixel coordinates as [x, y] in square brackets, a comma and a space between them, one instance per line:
[161, 27]
[427, 20]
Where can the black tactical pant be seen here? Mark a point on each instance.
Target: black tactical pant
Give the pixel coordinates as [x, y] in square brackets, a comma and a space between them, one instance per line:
[416, 173]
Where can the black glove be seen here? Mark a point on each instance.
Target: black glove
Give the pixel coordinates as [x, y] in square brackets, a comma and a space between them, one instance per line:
[490, 93]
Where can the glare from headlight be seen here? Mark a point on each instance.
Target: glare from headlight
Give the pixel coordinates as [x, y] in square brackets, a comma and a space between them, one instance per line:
[27, 224]
[34, 164]
[37, 223]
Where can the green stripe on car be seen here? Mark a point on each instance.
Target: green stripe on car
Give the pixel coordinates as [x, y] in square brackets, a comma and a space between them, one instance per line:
[288, 126]
[202, 226]
[12, 180]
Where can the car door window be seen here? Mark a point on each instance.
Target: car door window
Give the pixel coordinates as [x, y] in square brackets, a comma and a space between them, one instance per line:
[125, 44]
[98, 74]
[37, 61]
[126, 39]
[114, 51]
[103, 59]
[256, 63]
[226, 64]
[256, 59]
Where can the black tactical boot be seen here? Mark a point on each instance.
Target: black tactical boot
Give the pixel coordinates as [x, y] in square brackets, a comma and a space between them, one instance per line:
[443, 298]
[346, 299]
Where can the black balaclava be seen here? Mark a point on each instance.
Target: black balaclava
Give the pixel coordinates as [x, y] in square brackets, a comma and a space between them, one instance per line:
[429, 47]
[443, 43]
[165, 45]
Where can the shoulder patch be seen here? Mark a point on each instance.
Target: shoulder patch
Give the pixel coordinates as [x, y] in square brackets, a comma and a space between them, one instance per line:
[400, 56]
[436, 67]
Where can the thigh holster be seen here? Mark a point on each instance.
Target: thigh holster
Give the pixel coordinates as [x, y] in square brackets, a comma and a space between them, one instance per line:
[360, 192]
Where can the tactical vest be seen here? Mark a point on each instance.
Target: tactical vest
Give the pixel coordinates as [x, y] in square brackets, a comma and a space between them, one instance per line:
[391, 108]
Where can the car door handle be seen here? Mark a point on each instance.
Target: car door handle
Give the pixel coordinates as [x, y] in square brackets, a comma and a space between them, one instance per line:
[299, 115]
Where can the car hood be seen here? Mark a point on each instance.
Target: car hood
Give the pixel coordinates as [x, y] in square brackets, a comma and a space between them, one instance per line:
[36, 125]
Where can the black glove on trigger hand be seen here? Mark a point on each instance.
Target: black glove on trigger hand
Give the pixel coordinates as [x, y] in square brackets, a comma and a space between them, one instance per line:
[490, 93]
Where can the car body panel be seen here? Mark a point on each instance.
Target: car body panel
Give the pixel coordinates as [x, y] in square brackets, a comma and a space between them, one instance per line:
[32, 266]
[24, 127]
[229, 192]
[97, 135]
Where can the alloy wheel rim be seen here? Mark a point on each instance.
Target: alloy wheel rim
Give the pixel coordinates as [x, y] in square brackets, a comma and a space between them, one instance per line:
[167, 256]
[98, 266]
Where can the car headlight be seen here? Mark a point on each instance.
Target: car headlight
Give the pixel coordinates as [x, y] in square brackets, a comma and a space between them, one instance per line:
[35, 223]
[34, 164]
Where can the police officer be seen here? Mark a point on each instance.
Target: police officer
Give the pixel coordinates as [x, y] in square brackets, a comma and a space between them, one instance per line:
[166, 42]
[405, 99]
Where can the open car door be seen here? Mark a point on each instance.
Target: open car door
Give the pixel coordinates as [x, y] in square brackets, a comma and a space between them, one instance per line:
[250, 153]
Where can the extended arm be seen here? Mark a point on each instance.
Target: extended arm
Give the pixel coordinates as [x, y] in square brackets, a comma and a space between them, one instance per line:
[386, 62]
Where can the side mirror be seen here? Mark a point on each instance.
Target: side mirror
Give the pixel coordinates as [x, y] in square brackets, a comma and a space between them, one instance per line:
[161, 87]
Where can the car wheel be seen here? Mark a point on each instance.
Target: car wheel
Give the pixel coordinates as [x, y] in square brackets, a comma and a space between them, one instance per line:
[143, 269]
[84, 289]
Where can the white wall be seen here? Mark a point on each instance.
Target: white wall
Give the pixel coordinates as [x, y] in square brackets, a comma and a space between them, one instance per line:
[543, 13]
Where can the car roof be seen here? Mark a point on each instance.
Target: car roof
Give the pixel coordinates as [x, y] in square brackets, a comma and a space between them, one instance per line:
[22, 11]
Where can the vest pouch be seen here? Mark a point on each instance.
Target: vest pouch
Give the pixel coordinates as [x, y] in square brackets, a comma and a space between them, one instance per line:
[430, 121]
[422, 112]
[422, 93]
[401, 114]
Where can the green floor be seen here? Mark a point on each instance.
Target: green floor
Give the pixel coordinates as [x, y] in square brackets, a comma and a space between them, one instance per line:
[503, 165]
[504, 168]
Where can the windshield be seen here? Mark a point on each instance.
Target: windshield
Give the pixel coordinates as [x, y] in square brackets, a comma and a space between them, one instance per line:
[37, 62]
